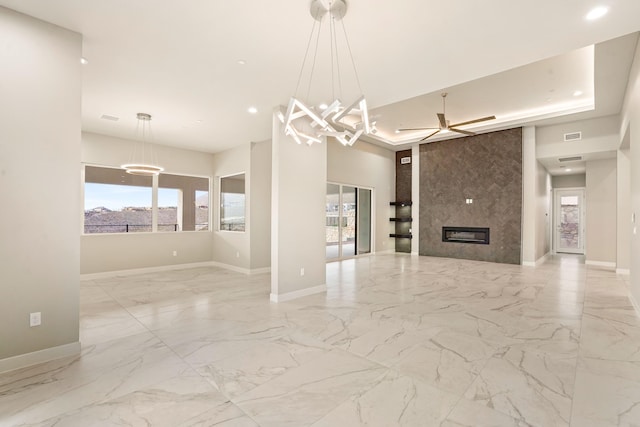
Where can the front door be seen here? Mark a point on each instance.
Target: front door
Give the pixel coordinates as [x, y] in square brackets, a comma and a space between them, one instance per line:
[569, 221]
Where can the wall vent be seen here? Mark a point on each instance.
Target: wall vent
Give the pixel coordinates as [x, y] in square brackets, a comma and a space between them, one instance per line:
[573, 136]
[108, 117]
[570, 159]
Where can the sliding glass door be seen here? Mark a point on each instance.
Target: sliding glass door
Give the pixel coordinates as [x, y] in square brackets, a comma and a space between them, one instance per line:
[348, 221]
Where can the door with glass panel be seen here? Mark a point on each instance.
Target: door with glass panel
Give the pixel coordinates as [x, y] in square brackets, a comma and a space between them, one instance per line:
[348, 221]
[569, 221]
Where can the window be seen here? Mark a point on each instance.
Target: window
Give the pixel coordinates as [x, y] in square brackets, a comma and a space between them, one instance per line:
[183, 203]
[118, 202]
[232, 203]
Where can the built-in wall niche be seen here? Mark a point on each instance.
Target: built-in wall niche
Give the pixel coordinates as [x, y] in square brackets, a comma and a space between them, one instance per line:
[232, 203]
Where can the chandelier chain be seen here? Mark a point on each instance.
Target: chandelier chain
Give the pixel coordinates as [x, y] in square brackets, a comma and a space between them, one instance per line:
[353, 63]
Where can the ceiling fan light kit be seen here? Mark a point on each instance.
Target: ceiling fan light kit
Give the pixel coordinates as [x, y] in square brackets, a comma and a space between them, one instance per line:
[444, 123]
[308, 124]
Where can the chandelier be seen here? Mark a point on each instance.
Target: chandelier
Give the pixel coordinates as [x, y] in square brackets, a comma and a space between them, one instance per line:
[142, 152]
[308, 123]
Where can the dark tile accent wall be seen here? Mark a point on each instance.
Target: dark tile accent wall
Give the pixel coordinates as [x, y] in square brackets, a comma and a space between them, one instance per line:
[403, 193]
[486, 168]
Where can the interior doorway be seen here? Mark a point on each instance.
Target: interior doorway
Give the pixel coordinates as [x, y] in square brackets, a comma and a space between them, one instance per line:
[348, 221]
[569, 221]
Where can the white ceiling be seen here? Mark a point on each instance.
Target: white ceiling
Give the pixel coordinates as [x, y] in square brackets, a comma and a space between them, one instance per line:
[178, 61]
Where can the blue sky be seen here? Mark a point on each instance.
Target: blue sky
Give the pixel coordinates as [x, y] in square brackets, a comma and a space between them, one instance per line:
[115, 197]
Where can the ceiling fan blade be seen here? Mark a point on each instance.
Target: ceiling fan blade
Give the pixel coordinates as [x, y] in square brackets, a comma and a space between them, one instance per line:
[401, 130]
[430, 135]
[473, 121]
[443, 121]
[466, 132]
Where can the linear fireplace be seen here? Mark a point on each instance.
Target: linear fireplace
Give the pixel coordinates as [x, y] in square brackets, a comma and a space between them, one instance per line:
[476, 235]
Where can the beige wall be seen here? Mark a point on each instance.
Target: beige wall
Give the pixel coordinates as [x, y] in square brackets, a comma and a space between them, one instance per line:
[623, 249]
[543, 211]
[631, 124]
[529, 203]
[40, 92]
[601, 213]
[366, 165]
[299, 180]
[260, 205]
[599, 135]
[232, 248]
[115, 252]
[569, 181]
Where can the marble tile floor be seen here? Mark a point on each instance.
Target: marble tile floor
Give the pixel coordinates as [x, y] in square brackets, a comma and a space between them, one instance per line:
[397, 340]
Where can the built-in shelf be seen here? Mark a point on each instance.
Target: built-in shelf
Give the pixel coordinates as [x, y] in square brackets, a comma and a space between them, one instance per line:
[402, 219]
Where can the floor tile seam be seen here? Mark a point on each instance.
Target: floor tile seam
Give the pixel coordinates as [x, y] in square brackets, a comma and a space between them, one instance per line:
[365, 388]
[356, 395]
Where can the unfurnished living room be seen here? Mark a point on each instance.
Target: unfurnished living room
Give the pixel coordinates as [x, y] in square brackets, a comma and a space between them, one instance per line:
[319, 213]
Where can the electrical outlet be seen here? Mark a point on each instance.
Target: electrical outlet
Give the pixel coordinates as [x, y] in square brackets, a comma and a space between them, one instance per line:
[302, 271]
[237, 254]
[175, 253]
[35, 319]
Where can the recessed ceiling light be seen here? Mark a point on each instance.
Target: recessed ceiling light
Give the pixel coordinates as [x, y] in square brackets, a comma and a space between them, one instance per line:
[567, 170]
[397, 130]
[84, 61]
[252, 110]
[323, 106]
[198, 121]
[577, 93]
[241, 62]
[596, 12]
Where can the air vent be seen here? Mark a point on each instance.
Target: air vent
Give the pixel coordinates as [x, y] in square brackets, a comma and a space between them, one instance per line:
[573, 136]
[570, 159]
[108, 117]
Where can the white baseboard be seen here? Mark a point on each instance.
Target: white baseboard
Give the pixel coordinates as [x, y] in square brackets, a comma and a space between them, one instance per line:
[634, 303]
[260, 270]
[144, 270]
[240, 269]
[624, 271]
[40, 356]
[605, 264]
[537, 262]
[297, 294]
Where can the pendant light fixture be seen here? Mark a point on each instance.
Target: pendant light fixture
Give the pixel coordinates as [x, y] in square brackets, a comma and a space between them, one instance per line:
[309, 123]
[142, 160]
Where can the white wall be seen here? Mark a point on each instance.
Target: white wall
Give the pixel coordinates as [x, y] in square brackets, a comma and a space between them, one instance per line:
[115, 252]
[529, 203]
[232, 248]
[40, 93]
[298, 201]
[569, 181]
[543, 211]
[601, 233]
[623, 249]
[631, 124]
[366, 165]
[260, 188]
[599, 135]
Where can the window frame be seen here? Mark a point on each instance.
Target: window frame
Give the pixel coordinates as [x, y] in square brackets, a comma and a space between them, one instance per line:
[154, 202]
[219, 205]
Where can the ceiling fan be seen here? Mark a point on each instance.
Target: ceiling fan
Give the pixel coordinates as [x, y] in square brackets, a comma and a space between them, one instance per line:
[444, 123]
